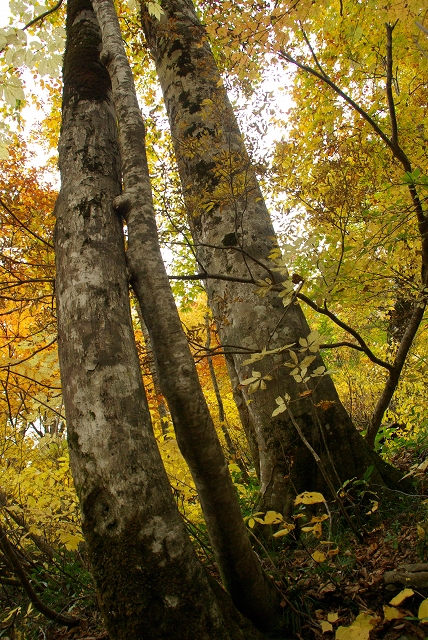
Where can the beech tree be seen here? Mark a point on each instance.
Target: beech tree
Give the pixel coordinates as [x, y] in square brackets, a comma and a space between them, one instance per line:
[308, 443]
[149, 580]
[234, 241]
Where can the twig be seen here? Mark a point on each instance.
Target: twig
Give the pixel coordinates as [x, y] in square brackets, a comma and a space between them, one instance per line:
[68, 621]
[38, 540]
[325, 475]
[215, 276]
[35, 235]
[46, 346]
[389, 76]
[364, 346]
[43, 15]
[397, 151]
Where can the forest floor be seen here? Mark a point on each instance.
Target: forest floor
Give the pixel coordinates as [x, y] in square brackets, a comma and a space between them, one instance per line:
[347, 597]
[344, 596]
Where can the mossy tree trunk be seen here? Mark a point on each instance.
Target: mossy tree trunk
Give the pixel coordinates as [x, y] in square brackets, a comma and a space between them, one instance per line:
[251, 590]
[149, 581]
[233, 237]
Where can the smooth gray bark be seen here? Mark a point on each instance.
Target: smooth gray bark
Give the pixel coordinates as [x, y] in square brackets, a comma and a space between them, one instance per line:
[233, 237]
[252, 592]
[149, 581]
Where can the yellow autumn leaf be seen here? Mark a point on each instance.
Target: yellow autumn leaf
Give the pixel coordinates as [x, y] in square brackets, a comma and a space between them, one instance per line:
[272, 517]
[399, 598]
[375, 507]
[321, 519]
[71, 541]
[286, 528]
[391, 613]
[423, 611]
[309, 497]
[352, 633]
[333, 617]
[234, 467]
[326, 626]
[318, 556]
[359, 629]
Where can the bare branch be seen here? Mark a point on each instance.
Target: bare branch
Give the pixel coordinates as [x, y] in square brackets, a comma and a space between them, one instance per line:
[311, 49]
[38, 540]
[396, 150]
[46, 346]
[208, 276]
[35, 235]
[43, 15]
[364, 346]
[389, 76]
[10, 554]
[344, 343]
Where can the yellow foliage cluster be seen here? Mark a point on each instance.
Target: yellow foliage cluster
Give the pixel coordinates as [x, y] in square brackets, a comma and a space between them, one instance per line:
[38, 487]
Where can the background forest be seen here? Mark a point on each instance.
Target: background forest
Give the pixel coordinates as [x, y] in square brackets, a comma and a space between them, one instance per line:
[331, 101]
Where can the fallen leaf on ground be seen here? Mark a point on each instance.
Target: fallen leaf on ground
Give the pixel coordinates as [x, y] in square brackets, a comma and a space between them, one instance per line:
[399, 598]
[391, 613]
[359, 629]
[318, 556]
[326, 626]
[423, 611]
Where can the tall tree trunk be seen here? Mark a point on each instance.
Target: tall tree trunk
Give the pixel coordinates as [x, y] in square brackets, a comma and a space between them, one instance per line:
[149, 580]
[230, 446]
[252, 591]
[164, 416]
[233, 236]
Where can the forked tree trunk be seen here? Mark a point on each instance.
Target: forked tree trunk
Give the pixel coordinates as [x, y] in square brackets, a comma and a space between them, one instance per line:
[149, 581]
[252, 591]
[233, 236]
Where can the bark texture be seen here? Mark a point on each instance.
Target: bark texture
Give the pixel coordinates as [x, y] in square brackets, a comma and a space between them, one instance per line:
[252, 592]
[149, 580]
[233, 237]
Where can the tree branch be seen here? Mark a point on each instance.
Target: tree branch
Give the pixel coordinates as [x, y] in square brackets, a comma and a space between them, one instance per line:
[396, 150]
[10, 554]
[216, 276]
[364, 346]
[395, 372]
[392, 142]
[241, 250]
[344, 343]
[38, 540]
[46, 346]
[314, 55]
[389, 76]
[43, 15]
[4, 205]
